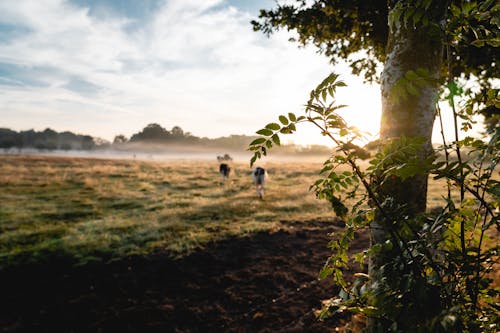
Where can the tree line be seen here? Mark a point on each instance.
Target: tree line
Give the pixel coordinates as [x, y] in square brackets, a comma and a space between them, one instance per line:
[47, 139]
[152, 134]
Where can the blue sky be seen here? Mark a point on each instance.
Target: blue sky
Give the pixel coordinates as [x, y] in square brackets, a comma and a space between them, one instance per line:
[108, 67]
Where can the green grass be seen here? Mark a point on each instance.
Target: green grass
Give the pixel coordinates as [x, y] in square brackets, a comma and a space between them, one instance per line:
[91, 209]
[87, 209]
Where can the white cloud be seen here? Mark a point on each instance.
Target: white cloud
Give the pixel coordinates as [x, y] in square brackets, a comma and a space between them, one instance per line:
[196, 64]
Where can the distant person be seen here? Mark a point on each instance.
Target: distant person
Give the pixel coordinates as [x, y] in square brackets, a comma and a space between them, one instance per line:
[224, 171]
[259, 178]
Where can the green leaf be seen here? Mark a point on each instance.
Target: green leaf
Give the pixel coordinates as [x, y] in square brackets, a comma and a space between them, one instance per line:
[423, 72]
[425, 21]
[325, 272]
[283, 120]
[253, 159]
[408, 13]
[292, 117]
[265, 132]
[326, 168]
[273, 126]
[412, 89]
[418, 15]
[276, 139]
[359, 257]
[411, 75]
[257, 141]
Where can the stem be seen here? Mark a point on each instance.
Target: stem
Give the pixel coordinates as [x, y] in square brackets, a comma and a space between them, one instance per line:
[446, 153]
[457, 148]
[480, 243]
[475, 194]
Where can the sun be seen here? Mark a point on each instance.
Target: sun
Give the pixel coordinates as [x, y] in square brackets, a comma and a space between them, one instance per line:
[363, 111]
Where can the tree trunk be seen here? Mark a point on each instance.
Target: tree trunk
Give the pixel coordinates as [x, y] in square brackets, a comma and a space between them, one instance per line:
[412, 116]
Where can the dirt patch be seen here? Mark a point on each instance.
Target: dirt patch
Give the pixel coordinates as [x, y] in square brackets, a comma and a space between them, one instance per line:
[266, 282]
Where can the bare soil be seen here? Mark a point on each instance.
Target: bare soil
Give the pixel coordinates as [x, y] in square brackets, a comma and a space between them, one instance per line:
[266, 282]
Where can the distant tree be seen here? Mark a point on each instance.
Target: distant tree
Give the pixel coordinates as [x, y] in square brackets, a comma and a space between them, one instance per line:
[65, 146]
[177, 133]
[119, 139]
[68, 140]
[152, 133]
[87, 142]
[9, 139]
[28, 138]
[100, 143]
[49, 139]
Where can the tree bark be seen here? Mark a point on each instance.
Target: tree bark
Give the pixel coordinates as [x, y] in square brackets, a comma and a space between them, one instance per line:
[408, 48]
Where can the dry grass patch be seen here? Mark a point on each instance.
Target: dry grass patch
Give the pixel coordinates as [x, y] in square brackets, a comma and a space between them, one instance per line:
[106, 208]
[92, 208]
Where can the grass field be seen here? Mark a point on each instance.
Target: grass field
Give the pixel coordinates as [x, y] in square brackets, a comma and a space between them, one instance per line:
[93, 209]
[89, 209]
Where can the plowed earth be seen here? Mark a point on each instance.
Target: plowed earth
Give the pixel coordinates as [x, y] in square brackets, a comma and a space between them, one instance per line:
[266, 282]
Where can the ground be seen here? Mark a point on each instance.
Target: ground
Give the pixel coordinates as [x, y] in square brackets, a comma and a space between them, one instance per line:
[265, 282]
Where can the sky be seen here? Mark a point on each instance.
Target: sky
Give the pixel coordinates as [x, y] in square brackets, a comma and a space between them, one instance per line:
[109, 67]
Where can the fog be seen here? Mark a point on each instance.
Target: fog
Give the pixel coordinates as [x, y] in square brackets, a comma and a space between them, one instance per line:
[167, 153]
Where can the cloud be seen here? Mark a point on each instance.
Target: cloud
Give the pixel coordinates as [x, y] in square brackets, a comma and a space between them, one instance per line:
[192, 63]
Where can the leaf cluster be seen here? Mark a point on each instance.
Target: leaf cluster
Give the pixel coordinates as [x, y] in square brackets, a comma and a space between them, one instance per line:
[411, 84]
[341, 29]
[432, 269]
[270, 135]
[338, 28]
[418, 14]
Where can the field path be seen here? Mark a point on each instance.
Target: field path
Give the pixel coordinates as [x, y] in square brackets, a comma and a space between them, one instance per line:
[266, 282]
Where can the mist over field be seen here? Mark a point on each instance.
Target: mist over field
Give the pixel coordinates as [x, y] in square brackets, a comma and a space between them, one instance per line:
[170, 153]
